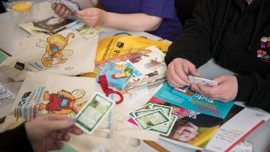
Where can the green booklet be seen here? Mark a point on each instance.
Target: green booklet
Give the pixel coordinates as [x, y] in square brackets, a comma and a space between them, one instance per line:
[3, 55]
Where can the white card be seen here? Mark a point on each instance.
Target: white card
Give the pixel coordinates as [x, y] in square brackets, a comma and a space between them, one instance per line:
[206, 82]
[93, 112]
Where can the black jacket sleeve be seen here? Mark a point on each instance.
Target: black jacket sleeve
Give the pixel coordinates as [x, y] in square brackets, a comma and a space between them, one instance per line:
[254, 90]
[15, 140]
[194, 42]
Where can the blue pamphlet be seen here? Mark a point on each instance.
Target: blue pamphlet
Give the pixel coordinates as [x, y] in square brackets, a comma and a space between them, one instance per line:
[191, 100]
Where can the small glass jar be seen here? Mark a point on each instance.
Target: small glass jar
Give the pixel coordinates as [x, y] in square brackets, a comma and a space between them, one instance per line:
[22, 11]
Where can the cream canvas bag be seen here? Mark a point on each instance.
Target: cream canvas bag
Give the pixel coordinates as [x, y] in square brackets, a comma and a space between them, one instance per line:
[66, 52]
[43, 93]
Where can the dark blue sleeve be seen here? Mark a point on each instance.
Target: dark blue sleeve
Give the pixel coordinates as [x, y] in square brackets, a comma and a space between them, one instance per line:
[160, 8]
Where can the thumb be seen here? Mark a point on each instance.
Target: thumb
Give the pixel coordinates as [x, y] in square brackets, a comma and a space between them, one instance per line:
[219, 79]
[80, 12]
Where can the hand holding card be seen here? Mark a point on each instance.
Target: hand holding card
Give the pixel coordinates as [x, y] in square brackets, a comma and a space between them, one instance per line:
[70, 4]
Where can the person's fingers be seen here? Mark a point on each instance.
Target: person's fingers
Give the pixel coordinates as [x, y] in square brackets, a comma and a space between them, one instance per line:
[219, 79]
[59, 145]
[57, 117]
[175, 75]
[170, 78]
[181, 77]
[82, 12]
[53, 6]
[63, 10]
[75, 130]
[193, 71]
[62, 136]
[56, 122]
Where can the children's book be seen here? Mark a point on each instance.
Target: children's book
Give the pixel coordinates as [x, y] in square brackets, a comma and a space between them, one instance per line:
[187, 128]
[116, 74]
[195, 130]
[148, 67]
[185, 97]
[214, 133]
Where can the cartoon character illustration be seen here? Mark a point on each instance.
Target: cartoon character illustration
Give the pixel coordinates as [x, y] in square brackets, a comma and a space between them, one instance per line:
[55, 49]
[125, 71]
[62, 102]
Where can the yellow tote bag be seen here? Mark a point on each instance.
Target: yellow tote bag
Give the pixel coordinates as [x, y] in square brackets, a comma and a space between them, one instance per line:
[113, 46]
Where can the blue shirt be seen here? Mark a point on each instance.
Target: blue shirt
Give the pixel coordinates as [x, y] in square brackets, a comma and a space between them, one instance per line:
[170, 26]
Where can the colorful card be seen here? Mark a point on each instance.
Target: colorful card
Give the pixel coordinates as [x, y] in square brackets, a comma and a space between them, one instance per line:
[93, 112]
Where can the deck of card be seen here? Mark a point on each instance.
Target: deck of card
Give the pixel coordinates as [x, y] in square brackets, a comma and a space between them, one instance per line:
[206, 82]
[154, 117]
[93, 112]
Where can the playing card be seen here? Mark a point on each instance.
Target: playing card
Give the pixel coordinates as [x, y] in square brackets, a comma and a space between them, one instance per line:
[93, 112]
[206, 82]
[153, 119]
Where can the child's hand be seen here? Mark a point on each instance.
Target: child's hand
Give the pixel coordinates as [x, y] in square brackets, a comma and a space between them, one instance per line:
[61, 10]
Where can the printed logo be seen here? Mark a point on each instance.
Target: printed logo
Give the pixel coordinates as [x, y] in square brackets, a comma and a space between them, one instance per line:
[262, 53]
[20, 66]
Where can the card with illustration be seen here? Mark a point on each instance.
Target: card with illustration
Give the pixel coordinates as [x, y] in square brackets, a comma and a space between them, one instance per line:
[165, 129]
[93, 112]
[166, 109]
[152, 119]
[144, 112]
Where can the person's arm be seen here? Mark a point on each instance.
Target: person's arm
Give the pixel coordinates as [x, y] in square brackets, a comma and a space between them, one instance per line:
[194, 42]
[44, 133]
[254, 90]
[47, 132]
[132, 22]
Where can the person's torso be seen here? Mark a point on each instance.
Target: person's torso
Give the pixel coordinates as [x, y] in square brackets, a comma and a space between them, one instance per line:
[170, 26]
[241, 38]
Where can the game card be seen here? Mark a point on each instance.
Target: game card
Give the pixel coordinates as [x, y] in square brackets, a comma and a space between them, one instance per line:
[165, 129]
[93, 112]
[166, 109]
[206, 82]
[152, 119]
[144, 112]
